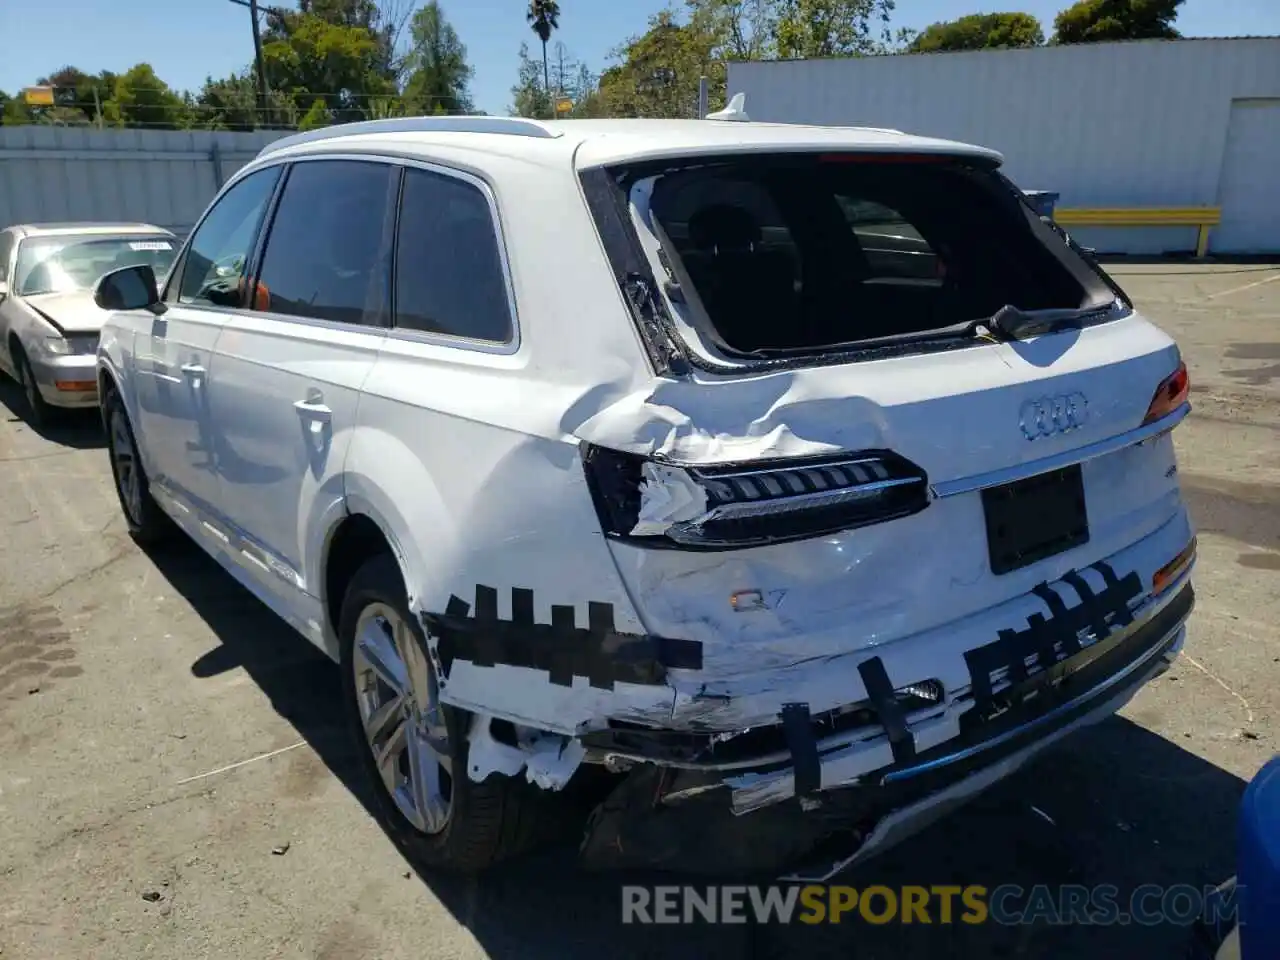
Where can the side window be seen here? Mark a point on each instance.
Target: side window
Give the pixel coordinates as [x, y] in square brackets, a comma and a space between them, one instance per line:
[328, 248]
[449, 274]
[219, 251]
[895, 250]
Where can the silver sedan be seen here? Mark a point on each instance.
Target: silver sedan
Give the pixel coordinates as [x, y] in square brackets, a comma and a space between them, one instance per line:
[49, 324]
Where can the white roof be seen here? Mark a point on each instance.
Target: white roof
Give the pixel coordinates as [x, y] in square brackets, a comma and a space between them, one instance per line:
[590, 143]
[91, 227]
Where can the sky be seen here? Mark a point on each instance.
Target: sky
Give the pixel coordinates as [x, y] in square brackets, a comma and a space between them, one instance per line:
[187, 40]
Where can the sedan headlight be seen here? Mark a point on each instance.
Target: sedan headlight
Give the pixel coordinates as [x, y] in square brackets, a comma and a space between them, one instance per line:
[72, 345]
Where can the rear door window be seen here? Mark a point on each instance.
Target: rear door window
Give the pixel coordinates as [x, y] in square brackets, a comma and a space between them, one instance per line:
[450, 278]
[328, 252]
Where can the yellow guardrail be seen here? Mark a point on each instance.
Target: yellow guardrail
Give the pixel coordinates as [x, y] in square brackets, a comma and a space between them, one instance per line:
[1203, 218]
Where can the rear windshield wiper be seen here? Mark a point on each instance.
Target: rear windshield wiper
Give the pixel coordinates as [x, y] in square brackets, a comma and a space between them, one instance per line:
[1007, 323]
[1011, 323]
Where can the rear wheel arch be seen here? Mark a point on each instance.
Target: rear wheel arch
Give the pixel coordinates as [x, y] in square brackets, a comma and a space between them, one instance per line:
[354, 541]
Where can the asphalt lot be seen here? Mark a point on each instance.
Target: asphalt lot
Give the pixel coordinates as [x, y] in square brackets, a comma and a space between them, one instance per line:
[128, 682]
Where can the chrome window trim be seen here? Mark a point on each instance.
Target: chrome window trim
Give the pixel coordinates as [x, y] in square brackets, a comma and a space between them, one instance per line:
[995, 478]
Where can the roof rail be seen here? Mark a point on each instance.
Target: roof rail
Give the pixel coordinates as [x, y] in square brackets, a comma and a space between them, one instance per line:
[512, 126]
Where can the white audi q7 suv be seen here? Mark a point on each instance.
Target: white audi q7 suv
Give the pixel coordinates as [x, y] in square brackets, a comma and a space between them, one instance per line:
[802, 480]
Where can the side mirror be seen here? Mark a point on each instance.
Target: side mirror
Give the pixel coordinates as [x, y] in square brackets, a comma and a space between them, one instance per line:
[4, 290]
[129, 288]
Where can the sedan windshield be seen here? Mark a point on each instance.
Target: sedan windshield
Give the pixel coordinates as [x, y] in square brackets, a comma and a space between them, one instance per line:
[65, 263]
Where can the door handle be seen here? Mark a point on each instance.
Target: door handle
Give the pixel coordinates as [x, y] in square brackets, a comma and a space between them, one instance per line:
[313, 409]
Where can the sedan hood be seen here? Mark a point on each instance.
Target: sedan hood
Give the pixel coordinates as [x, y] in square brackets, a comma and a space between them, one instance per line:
[73, 312]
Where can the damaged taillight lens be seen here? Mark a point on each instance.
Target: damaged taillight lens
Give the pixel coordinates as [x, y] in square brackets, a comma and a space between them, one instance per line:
[737, 505]
[1170, 395]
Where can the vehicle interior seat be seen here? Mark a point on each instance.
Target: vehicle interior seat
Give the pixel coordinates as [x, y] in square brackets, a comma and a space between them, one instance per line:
[750, 292]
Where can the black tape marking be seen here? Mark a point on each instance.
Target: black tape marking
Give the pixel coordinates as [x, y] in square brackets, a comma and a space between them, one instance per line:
[1120, 613]
[597, 652]
[1048, 641]
[797, 728]
[881, 694]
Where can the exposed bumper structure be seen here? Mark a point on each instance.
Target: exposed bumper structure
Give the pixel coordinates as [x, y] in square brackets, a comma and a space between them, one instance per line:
[689, 819]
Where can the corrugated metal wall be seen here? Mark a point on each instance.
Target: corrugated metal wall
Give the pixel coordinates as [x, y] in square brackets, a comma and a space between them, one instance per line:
[1113, 124]
[154, 176]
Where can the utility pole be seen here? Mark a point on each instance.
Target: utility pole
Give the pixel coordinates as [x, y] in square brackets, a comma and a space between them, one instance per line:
[257, 59]
[263, 101]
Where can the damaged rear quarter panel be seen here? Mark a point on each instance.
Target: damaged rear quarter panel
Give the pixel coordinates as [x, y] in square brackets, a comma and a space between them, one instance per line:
[502, 511]
[466, 459]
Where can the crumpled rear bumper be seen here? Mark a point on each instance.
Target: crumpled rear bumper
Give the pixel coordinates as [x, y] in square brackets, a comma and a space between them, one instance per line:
[751, 822]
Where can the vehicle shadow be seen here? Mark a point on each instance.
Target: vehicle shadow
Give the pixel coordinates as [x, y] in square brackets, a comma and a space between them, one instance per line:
[78, 429]
[1116, 805]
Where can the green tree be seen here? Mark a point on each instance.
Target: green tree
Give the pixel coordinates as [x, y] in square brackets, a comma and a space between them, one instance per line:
[141, 99]
[232, 104]
[342, 64]
[83, 93]
[437, 61]
[832, 28]
[14, 111]
[980, 31]
[744, 29]
[529, 96]
[657, 73]
[317, 115]
[1090, 21]
[544, 17]
[573, 79]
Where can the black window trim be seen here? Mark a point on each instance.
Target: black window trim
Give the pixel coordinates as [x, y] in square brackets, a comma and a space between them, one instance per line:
[492, 347]
[513, 343]
[254, 267]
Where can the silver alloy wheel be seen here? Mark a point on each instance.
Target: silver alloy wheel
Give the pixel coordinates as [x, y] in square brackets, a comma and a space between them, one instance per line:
[403, 722]
[125, 461]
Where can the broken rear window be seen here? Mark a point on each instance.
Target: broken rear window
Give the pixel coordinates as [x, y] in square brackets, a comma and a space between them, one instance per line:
[810, 253]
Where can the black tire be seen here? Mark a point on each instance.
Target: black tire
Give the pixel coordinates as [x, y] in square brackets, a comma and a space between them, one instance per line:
[39, 412]
[147, 523]
[488, 822]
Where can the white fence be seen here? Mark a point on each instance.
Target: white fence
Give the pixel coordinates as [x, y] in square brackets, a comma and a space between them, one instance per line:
[164, 177]
[1143, 123]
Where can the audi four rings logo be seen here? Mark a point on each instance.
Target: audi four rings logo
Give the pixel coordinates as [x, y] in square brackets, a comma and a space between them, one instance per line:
[1048, 416]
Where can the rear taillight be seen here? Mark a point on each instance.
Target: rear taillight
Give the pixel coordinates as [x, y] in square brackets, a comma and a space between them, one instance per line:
[1174, 569]
[1170, 395]
[731, 506]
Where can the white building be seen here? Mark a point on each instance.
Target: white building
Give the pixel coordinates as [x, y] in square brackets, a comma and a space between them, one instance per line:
[1142, 123]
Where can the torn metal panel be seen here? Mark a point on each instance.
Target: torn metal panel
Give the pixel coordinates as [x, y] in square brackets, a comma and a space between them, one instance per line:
[967, 737]
[763, 613]
[548, 760]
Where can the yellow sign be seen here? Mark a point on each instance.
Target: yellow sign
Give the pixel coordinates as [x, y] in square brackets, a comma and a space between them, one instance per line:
[38, 96]
[563, 104]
